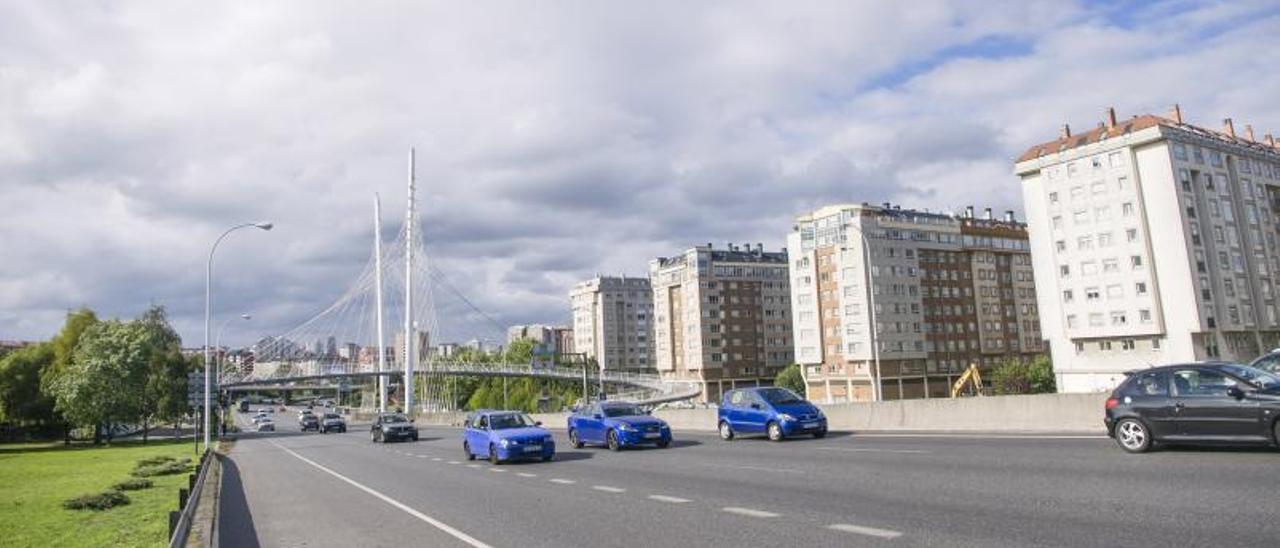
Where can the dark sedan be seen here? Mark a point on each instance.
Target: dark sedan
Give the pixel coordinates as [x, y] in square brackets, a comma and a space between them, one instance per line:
[1194, 403]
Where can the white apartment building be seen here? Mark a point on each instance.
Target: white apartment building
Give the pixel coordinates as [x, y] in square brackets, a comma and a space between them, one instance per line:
[613, 322]
[1154, 241]
[722, 317]
[948, 290]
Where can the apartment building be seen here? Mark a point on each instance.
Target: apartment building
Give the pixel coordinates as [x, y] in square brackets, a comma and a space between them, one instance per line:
[549, 338]
[613, 321]
[1154, 242]
[722, 317]
[946, 291]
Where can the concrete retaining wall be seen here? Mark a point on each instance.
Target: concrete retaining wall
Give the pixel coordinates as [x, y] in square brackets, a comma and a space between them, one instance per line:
[1075, 413]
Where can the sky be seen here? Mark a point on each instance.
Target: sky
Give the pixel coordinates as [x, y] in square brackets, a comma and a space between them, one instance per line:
[555, 140]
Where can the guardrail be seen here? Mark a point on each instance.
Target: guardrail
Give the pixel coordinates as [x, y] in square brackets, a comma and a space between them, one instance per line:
[188, 499]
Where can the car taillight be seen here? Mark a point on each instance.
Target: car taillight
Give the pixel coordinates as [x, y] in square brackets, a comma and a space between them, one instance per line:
[1112, 403]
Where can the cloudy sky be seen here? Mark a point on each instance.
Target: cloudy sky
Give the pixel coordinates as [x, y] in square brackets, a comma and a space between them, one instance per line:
[555, 140]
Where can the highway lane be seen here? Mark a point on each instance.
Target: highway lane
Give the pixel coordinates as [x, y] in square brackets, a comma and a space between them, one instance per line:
[840, 491]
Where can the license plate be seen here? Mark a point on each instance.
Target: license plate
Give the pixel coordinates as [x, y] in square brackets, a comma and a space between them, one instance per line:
[810, 425]
[652, 435]
[532, 448]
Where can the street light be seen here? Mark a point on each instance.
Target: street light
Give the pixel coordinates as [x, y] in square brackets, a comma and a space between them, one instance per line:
[208, 278]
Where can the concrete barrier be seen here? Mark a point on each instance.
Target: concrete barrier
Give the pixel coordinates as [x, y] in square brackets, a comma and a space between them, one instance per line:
[1066, 413]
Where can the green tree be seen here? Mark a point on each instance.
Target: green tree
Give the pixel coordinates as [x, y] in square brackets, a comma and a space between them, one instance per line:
[21, 400]
[1014, 376]
[163, 388]
[102, 385]
[64, 346]
[791, 378]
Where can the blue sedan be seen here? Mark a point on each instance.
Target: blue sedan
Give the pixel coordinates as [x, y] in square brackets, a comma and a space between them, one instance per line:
[617, 425]
[502, 436]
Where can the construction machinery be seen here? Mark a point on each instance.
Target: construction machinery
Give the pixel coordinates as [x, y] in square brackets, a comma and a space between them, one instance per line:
[971, 376]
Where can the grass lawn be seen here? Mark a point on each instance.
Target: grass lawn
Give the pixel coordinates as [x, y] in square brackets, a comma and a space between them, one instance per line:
[36, 478]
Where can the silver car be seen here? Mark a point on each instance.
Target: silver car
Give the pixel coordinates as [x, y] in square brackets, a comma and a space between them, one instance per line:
[266, 426]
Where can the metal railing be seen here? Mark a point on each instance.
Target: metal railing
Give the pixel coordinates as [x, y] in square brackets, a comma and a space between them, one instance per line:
[188, 499]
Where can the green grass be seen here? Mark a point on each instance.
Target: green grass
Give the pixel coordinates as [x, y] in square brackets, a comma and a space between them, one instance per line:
[36, 478]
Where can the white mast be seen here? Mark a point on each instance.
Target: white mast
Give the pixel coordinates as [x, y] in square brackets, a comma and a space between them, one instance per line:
[377, 292]
[410, 336]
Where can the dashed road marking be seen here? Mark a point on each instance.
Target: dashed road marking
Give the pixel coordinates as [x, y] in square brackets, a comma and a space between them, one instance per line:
[422, 456]
[454, 462]
[665, 498]
[749, 512]
[473, 466]
[758, 468]
[608, 489]
[497, 469]
[526, 475]
[875, 450]
[870, 531]
[436, 459]
[562, 481]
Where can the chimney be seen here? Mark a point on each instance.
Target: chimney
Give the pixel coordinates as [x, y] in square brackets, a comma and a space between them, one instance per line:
[759, 247]
[1066, 132]
[708, 245]
[1271, 141]
[1008, 216]
[968, 212]
[986, 213]
[1176, 113]
[1228, 128]
[1111, 117]
[1248, 133]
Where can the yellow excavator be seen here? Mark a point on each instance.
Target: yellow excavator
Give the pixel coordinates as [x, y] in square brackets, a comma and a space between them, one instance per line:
[970, 376]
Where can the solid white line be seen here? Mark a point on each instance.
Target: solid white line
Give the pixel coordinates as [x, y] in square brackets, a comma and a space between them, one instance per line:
[562, 481]
[428, 519]
[526, 475]
[872, 450]
[608, 489]
[991, 436]
[749, 512]
[871, 531]
[665, 498]
[758, 468]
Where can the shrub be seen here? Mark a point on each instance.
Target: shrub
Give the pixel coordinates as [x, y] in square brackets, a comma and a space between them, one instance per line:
[165, 469]
[152, 461]
[133, 484]
[97, 501]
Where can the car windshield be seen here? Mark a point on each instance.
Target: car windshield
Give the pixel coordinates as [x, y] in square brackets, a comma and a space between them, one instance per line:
[331, 416]
[622, 411]
[394, 418]
[1256, 377]
[779, 396]
[510, 420]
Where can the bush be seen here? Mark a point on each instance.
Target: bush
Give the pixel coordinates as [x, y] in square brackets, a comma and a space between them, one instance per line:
[100, 501]
[133, 485]
[152, 461]
[165, 469]
[791, 379]
[1019, 377]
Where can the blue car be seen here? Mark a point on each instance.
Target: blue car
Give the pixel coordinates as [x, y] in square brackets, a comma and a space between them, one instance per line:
[503, 436]
[775, 412]
[617, 425]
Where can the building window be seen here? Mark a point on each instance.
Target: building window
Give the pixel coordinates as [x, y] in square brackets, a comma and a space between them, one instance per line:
[1144, 315]
[1088, 268]
[1131, 235]
[1126, 209]
[1126, 344]
[1118, 318]
[1180, 151]
[1067, 296]
[1110, 265]
[1053, 197]
[1104, 239]
[1140, 288]
[1064, 270]
[1061, 245]
[1136, 261]
[1092, 294]
[1115, 159]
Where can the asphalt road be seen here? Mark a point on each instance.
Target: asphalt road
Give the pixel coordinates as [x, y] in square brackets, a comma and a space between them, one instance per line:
[293, 489]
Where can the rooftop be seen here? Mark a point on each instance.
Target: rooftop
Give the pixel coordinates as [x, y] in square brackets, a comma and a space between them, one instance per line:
[1111, 127]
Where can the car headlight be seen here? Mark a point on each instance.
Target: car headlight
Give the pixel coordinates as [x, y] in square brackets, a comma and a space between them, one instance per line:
[505, 442]
[626, 427]
[786, 417]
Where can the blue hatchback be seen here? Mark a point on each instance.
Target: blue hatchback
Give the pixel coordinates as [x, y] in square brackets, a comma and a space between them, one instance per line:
[617, 425]
[775, 412]
[502, 436]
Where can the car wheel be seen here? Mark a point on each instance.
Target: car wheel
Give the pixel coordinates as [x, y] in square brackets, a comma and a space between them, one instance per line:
[820, 434]
[373, 436]
[726, 432]
[1275, 430]
[415, 436]
[547, 458]
[1133, 436]
[466, 448]
[664, 444]
[775, 431]
[493, 455]
[573, 439]
[612, 440]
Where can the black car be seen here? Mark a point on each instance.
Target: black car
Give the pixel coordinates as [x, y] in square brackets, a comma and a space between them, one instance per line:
[332, 422]
[309, 422]
[391, 427]
[1196, 402]
[1269, 362]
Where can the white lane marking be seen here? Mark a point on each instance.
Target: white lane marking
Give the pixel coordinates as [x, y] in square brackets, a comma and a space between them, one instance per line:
[436, 459]
[749, 512]
[497, 470]
[454, 462]
[468, 539]
[422, 456]
[473, 466]
[608, 489]
[665, 498]
[870, 531]
[992, 436]
[758, 468]
[526, 475]
[562, 481]
[874, 450]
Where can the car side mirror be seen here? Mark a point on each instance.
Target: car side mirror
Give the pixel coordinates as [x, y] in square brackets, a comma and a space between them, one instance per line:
[597, 416]
[1235, 392]
[755, 406]
[537, 423]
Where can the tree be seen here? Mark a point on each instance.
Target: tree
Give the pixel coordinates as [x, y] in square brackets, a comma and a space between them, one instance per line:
[102, 383]
[64, 345]
[21, 400]
[163, 389]
[791, 378]
[1014, 376]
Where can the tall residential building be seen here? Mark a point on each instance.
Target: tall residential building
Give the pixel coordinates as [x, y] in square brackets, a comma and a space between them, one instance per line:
[722, 317]
[948, 291]
[550, 339]
[1154, 242]
[612, 322]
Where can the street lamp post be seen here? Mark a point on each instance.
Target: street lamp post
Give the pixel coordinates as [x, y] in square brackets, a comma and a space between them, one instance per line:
[208, 279]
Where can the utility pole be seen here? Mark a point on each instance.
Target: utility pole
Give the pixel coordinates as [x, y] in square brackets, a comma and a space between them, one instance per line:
[377, 267]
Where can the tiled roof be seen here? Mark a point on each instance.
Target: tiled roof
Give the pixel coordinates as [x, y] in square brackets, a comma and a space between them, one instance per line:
[1136, 123]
